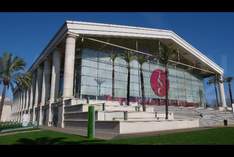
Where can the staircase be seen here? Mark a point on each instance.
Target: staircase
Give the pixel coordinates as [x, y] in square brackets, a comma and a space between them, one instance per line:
[110, 118]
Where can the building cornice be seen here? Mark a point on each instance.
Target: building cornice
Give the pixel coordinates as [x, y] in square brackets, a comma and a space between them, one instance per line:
[88, 28]
[99, 29]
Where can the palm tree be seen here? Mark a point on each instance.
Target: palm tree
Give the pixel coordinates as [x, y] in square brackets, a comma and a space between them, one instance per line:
[11, 75]
[128, 57]
[165, 54]
[113, 56]
[141, 60]
[214, 81]
[229, 80]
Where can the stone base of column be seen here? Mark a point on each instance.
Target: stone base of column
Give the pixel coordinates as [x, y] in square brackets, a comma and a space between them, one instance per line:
[61, 115]
[33, 115]
[49, 116]
[62, 123]
[222, 108]
[40, 115]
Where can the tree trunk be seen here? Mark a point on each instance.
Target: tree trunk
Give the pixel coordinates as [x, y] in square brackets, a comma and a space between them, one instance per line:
[2, 100]
[216, 94]
[142, 89]
[166, 73]
[230, 92]
[113, 81]
[128, 85]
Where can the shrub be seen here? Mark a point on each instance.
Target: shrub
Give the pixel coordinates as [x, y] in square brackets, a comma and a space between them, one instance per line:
[10, 125]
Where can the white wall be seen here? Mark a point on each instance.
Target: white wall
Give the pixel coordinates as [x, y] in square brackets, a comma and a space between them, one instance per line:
[6, 113]
[141, 126]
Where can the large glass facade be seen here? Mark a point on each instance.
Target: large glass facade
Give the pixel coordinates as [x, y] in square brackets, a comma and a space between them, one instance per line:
[95, 73]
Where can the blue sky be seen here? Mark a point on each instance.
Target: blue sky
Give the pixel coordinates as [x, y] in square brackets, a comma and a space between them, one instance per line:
[27, 34]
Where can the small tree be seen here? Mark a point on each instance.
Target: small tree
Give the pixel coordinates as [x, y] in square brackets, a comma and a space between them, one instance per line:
[128, 57]
[12, 75]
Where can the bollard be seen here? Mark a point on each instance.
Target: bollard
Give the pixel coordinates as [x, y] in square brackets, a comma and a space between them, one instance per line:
[125, 115]
[103, 106]
[91, 123]
[87, 100]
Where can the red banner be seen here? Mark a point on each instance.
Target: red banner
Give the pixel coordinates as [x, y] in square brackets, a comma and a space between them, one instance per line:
[158, 82]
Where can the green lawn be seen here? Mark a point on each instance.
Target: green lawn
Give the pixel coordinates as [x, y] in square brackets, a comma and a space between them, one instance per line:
[209, 136]
[43, 137]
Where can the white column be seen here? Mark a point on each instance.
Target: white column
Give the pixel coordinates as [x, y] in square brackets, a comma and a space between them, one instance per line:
[23, 98]
[55, 75]
[222, 93]
[69, 64]
[17, 105]
[26, 101]
[40, 74]
[21, 103]
[45, 88]
[45, 82]
[29, 97]
[54, 82]
[37, 91]
[32, 98]
[35, 98]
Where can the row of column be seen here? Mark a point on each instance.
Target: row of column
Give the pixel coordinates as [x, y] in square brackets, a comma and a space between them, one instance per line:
[45, 85]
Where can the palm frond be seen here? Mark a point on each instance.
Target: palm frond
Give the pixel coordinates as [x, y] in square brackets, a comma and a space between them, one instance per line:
[141, 59]
[214, 80]
[17, 64]
[166, 52]
[127, 56]
[24, 81]
[113, 56]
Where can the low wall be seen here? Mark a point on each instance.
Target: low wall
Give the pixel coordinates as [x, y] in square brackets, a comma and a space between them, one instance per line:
[127, 127]
[103, 129]
[110, 115]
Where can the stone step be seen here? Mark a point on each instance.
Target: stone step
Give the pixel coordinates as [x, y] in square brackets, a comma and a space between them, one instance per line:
[73, 108]
[77, 115]
[112, 126]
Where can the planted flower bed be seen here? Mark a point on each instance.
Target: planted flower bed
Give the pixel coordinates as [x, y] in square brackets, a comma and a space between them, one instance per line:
[10, 125]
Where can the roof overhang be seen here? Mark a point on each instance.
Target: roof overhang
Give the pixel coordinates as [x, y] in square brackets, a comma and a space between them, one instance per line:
[97, 29]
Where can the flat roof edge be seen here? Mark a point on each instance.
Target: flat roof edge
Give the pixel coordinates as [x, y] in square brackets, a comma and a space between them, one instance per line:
[173, 35]
[170, 33]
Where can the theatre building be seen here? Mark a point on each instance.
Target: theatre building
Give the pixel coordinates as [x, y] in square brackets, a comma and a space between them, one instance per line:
[77, 67]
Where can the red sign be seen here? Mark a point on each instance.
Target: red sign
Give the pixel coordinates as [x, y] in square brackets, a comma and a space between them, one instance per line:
[158, 82]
